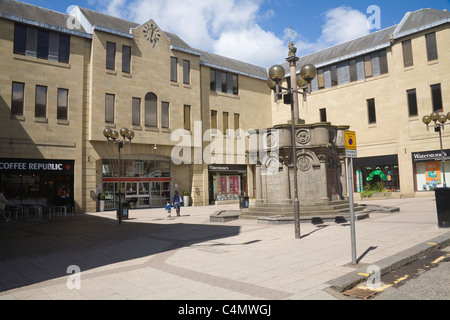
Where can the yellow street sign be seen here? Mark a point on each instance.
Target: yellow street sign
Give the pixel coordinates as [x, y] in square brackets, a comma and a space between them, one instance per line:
[350, 140]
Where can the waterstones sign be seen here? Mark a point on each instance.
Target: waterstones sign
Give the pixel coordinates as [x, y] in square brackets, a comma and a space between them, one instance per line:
[30, 166]
[430, 156]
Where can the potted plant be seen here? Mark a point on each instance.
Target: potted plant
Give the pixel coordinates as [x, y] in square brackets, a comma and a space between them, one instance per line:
[186, 198]
[102, 198]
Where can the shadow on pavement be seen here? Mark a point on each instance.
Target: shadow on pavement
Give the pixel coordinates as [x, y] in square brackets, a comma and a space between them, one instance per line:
[35, 251]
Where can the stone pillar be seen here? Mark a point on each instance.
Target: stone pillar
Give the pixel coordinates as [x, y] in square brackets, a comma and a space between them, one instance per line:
[258, 180]
[264, 184]
[323, 174]
[285, 195]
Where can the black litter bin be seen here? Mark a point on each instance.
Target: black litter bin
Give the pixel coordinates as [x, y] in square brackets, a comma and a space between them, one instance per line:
[443, 207]
[125, 210]
[243, 202]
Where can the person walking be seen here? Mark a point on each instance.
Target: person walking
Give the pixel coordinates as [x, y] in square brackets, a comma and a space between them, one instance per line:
[177, 203]
[3, 202]
[168, 208]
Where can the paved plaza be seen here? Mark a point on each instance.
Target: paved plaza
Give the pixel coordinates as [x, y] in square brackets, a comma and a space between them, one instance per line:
[151, 257]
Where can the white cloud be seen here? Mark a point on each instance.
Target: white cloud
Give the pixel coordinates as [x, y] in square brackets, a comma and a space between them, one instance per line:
[230, 27]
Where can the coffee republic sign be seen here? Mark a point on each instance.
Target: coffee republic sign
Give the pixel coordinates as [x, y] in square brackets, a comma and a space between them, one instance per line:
[25, 166]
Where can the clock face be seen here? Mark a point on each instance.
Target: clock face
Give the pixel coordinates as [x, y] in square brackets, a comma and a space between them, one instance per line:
[152, 33]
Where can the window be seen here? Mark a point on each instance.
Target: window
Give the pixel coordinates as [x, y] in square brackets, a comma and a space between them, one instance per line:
[187, 117]
[237, 123]
[321, 78]
[186, 72]
[109, 108]
[334, 77]
[41, 102]
[371, 111]
[368, 66]
[213, 119]
[431, 46]
[110, 56]
[173, 69]
[136, 111]
[353, 72]
[225, 122]
[383, 62]
[407, 53]
[323, 115]
[436, 96]
[412, 102]
[212, 80]
[126, 59]
[151, 110]
[165, 115]
[42, 44]
[62, 107]
[17, 99]
[224, 82]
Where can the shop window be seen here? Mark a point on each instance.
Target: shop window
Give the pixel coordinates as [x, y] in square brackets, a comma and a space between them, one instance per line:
[412, 102]
[62, 107]
[407, 53]
[110, 56]
[17, 102]
[432, 52]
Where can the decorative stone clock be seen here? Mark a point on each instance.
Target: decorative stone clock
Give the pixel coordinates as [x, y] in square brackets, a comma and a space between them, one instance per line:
[152, 33]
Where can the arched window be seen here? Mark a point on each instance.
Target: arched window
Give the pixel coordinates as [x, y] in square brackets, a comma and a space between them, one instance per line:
[151, 107]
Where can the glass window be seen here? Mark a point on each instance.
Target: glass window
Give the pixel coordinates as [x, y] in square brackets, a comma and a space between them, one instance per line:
[235, 85]
[31, 45]
[42, 44]
[368, 66]
[371, 111]
[64, 48]
[224, 82]
[19, 39]
[186, 72]
[213, 119]
[225, 122]
[237, 123]
[436, 96]
[383, 62]
[353, 73]
[41, 102]
[173, 69]
[109, 108]
[431, 46]
[212, 80]
[136, 111]
[62, 108]
[187, 117]
[17, 98]
[407, 53]
[323, 115]
[165, 115]
[110, 55]
[334, 78]
[412, 102]
[126, 59]
[321, 78]
[151, 110]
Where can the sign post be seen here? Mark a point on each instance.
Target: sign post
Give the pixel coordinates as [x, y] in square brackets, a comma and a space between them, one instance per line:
[351, 153]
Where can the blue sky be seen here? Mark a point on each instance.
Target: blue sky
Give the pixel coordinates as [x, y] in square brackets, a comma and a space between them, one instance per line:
[258, 31]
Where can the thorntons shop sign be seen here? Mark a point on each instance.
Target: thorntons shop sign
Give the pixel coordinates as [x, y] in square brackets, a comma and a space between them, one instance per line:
[26, 166]
[430, 156]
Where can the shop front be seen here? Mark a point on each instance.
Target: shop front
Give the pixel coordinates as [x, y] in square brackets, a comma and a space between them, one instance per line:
[429, 170]
[227, 182]
[38, 182]
[377, 174]
[144, 183]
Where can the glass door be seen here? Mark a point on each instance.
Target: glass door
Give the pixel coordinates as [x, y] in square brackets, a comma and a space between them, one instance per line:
[144, 196]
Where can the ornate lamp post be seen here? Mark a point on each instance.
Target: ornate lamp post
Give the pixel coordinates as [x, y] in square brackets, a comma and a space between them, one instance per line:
[114, 136]
[439, 125]
[299, 85]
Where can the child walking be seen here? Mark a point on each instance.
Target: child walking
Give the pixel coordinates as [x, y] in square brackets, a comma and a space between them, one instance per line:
[168, 209]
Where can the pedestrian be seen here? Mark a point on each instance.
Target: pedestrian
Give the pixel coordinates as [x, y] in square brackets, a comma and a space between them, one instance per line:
[168, 209]
[3, 202]
[177, 203]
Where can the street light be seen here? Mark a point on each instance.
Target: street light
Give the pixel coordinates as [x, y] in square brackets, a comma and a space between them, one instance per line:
[114, 136]
[299, 85]
[439, 125]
